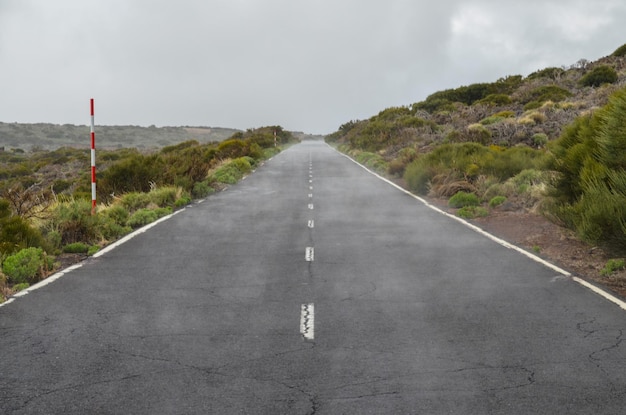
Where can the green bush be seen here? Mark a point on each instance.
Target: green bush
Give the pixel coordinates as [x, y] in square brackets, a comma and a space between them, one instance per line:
[164, 196]
[117, 213]
[20, 287]
[496, 201]
[612, 266]
[540, 139]
[76, 248]
[26, 266]
[16, 233]
[145, 216]
[202, 189]
[471, 212]
[135, 200]
[496, 99]
[132, 174]
[590, 188]
[463, 199]
[545, 93]
[599, 75]
[74, 221]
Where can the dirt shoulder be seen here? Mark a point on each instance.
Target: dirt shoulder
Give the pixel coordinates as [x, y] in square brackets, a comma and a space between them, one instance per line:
[551, 242]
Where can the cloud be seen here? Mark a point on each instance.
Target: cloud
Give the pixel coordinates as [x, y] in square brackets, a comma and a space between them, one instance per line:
[305, 65]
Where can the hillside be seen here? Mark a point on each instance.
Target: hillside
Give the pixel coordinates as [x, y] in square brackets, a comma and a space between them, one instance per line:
[513, 110]
[538, 160]
[43, 136]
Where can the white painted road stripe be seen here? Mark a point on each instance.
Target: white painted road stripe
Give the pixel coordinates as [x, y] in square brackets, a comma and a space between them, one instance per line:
[311, 224]
[307, 321]
[309, 254]
[311, 206]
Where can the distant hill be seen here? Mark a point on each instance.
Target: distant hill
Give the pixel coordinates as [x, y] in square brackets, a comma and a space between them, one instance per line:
[53, 136]
[513, 110]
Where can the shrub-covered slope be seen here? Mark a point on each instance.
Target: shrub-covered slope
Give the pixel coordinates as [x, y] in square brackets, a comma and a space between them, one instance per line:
[552, 141]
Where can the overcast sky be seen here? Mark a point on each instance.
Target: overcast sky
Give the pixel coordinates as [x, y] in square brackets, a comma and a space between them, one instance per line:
[306, 65]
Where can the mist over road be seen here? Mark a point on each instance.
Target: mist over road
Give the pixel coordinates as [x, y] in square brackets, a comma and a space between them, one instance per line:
[311, 287]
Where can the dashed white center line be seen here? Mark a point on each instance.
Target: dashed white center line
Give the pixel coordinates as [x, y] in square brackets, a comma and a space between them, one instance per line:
[307, 321]
[311, 224]
[309, 254]
[311, 206]
[310, 195]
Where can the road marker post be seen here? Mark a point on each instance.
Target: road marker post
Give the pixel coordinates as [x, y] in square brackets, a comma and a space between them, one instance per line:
[93, 161]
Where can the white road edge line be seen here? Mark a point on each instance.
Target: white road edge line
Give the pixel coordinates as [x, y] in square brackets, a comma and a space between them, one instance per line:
[494, 238]
[108, 248]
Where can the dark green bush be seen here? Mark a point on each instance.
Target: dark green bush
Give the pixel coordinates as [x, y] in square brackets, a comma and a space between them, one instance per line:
[545, 93]
[145, 216]
[76, 248]
[16, 233]
[590, 189]
[496, 99]
[471, 212]
[202, 189]
[599, 75]
[135, 200]
[496, 201]
[463, 199]
[74, 221]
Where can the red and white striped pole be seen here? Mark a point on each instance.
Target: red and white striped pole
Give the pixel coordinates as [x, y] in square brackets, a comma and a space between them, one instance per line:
[93, 162]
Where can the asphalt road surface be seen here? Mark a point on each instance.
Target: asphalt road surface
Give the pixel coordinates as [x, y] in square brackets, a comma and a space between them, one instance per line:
[312, 287]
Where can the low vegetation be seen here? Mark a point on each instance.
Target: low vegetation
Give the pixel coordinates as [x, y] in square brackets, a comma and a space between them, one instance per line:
[552, 142]
[45, 196]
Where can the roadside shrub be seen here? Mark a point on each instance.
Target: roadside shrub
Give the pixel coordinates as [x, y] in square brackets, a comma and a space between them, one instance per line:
[27, 266]
[20, 287]
[117, 213]
[418, 175]
[132, 174]
[16, 234]
[590, 188]
[135, 200]
[164, 196]
[233, 171]
[112, 223]
[202, 189]
[76, 248]
[145, 216]
[471, 212]
[142, 217]
[463, 199]
[497, 201]
[372, 160]
[599, 75]
[182, 201]
[612, 266]
[74, 221]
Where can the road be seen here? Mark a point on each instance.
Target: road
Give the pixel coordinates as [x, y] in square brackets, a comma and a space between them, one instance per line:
[312, 287]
